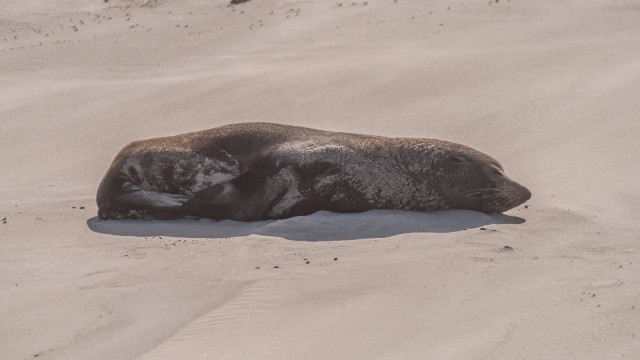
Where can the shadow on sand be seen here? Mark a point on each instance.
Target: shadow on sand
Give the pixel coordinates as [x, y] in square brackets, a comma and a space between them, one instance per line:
[321, 226]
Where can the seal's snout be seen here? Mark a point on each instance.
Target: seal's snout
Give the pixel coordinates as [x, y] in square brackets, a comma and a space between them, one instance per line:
[512, 195]
[521, 195]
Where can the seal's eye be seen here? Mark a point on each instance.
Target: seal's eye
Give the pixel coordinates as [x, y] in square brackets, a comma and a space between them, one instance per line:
[456, 159]
[496, 171]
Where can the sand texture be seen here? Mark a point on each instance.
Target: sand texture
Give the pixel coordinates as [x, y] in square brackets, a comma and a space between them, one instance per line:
[551, 89]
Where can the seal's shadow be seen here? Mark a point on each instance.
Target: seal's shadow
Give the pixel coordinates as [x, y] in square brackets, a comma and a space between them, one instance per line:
[321, 226]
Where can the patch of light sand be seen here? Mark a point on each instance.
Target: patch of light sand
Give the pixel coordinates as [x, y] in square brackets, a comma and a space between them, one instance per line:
[547, 88]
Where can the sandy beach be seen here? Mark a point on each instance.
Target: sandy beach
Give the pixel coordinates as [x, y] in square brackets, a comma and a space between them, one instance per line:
[548, 88]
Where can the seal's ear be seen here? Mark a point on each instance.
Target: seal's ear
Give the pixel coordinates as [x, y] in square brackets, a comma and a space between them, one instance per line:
[434, 163]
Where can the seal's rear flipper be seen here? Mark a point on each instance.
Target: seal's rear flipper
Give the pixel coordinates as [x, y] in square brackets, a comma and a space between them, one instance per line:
[144, 204]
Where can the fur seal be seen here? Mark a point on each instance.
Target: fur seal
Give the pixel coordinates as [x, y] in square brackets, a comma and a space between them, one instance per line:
[257, 171]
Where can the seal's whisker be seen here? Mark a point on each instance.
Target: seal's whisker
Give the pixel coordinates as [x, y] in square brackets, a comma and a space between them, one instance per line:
[480, 190]
[477, 194]
[468, 197]
[497, 197]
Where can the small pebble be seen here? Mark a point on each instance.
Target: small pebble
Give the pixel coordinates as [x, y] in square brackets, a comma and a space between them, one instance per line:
[335, 259]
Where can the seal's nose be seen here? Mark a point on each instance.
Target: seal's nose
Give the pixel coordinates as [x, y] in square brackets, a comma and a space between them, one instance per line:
[527, 195]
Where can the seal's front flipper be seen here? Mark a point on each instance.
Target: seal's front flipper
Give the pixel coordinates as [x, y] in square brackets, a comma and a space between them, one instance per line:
[246, 198]
[144, 204]
[215, 202]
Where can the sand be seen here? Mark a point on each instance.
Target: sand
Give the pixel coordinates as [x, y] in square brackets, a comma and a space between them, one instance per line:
[549, 88]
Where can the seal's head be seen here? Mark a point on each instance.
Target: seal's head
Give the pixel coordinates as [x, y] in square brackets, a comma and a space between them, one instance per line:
[472, 180]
